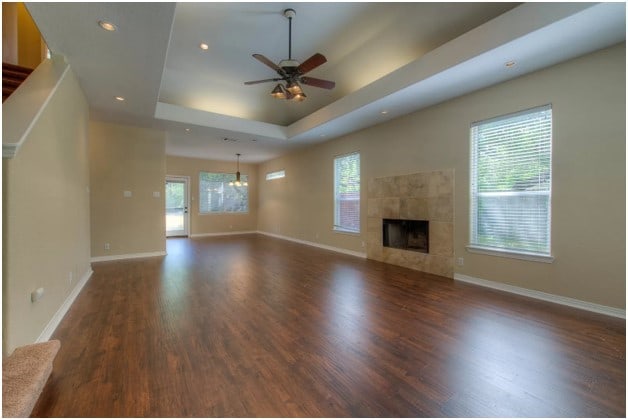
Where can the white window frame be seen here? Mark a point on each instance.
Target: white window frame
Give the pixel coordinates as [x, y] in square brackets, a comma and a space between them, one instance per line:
[475, 246]
[339, 228]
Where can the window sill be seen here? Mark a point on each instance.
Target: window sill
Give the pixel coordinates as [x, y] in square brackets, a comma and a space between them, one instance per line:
[223, 213]
[509, 254]
[343, 231]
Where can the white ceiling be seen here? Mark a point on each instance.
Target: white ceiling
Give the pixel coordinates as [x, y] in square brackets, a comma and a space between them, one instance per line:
[398, 57]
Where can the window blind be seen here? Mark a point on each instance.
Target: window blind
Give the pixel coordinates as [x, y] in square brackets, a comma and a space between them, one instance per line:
[511, 179]
[347, 193]
[216, 196]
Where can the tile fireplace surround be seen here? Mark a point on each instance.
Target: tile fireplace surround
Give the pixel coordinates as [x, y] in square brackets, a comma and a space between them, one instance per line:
[419, 196]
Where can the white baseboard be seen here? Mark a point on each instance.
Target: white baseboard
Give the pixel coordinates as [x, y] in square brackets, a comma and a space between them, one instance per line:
[539, 295]
[58, 316]
[127, 256]
[321, 246]
[226, 233]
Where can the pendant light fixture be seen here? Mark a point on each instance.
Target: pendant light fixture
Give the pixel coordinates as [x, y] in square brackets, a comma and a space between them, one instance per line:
[238, 182]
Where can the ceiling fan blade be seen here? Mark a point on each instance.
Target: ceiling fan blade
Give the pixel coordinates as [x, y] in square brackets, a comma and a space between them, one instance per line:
[312, 81]
[270, 64]
[311, 63]
[261, 81]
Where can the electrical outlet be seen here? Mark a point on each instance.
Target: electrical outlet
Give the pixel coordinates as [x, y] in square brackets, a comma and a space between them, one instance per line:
[70, 278]
[316, 236]
[107, 246]
[363, 244]
[460, 261]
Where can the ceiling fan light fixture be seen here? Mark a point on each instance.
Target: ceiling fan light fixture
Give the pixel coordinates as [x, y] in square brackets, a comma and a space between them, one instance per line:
[278, 92]
[299, 97]
[294, 88]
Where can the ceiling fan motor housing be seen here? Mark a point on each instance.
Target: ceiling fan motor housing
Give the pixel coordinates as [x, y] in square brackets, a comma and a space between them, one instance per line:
[289, 66]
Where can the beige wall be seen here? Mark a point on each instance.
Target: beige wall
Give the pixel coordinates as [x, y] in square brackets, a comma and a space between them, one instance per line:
[215, 223]
[22, 43]
[29, 41]
[46, 216]
[126, 158]
[588, 202]
[9, 32]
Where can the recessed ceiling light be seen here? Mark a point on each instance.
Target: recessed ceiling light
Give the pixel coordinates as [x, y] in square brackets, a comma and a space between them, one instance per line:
[120, 98]
[203, 46]
[187, 130]
[322, 135]
[384, 112]
[510, 64]
[108, 26]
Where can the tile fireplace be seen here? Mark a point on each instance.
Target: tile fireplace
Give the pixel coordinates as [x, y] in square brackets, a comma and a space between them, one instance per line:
[410, 221]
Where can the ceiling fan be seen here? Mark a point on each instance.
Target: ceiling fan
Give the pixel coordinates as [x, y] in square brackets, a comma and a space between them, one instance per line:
[292, 72]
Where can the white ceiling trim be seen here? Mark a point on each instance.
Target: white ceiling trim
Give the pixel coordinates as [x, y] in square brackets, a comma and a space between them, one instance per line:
[198, 117]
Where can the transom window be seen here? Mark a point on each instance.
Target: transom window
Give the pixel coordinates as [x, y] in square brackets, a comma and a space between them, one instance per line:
[276, 175]
[347, 193]
[511, 183]
[217, 196]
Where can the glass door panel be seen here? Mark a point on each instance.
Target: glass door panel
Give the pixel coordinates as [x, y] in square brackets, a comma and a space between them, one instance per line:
[176, 207]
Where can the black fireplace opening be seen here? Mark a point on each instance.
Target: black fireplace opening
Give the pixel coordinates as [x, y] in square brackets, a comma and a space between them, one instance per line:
[406, 234]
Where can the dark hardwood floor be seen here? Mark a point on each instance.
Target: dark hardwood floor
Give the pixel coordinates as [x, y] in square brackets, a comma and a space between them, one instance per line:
[256, 326]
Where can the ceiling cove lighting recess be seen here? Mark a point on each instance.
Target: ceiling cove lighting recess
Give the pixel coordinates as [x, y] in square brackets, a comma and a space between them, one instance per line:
[108, 26]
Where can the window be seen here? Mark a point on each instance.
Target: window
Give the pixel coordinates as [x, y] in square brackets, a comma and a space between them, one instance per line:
[276, 175]
[347, 193]
[216, 196]
[511, 179]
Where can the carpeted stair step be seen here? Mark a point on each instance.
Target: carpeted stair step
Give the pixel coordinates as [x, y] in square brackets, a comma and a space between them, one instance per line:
[24, 374]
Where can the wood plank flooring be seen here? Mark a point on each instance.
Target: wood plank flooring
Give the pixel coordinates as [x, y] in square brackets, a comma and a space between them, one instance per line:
[255, 326]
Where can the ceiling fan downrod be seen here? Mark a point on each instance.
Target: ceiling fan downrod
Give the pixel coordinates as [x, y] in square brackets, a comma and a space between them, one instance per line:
[289, 13]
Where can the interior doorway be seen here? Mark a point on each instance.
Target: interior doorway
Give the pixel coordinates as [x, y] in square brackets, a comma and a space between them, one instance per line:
[177, 206]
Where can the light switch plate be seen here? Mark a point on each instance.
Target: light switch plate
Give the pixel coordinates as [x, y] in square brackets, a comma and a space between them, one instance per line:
[156, 194]
[127, 194]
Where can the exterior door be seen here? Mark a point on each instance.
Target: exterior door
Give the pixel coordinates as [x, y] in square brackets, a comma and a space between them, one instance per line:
[177, 204]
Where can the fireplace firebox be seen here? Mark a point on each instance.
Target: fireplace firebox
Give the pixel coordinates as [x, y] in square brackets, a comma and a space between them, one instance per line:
[406, 234]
